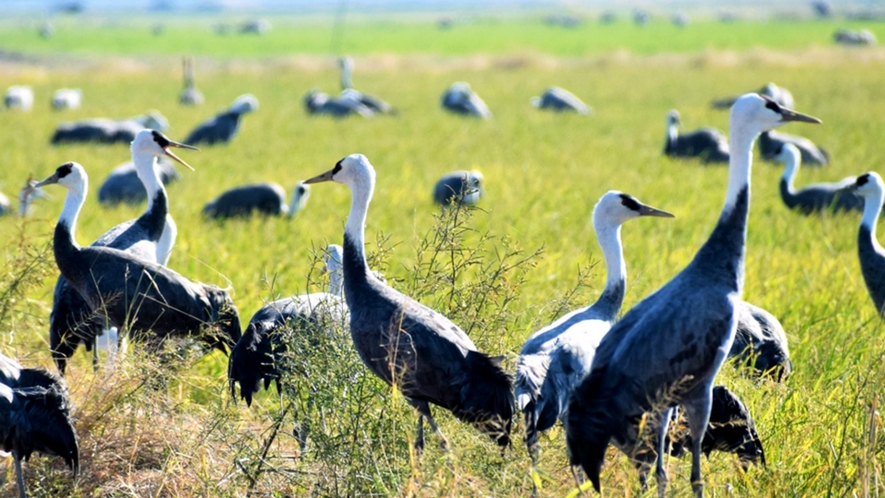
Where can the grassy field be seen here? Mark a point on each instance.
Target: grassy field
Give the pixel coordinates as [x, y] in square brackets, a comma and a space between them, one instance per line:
[544, 173]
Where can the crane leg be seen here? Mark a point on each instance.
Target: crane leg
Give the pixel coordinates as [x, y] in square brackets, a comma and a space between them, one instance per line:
[18, 476]
[660, 472]
[419, 439]
[444, 443]
[531, 442]
[697, 410]
[424, 412]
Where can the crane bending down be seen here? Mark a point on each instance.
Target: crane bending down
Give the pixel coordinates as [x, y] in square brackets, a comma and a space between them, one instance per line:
[555, 358]
[709, 144]
[35, 416]
[816, 198]
[407, 344]
[667, 349]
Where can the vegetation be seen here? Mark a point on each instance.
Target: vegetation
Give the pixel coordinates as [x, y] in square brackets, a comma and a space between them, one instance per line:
[544, 173]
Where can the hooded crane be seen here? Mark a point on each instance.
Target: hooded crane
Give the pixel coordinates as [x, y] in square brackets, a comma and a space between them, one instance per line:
[189, 95]
[317, 102]
[149, 237]
[560, 99]
[816, 198]
[771, 142]
[19, 97]
[761, 338]
[223, 127]
[407, 344]
[779, 94]
[67, 98]
[459, 187]
[108, 131]
[35, 416]
[709, 144]
[135, 294]
[257, 355]
[555, 358]
[872, 256]
[267, 199]
[667, 349]
[460, 99]
[377, 105]
[123, 186]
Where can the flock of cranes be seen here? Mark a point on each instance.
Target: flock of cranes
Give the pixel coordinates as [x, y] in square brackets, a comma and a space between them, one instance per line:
[597, 374]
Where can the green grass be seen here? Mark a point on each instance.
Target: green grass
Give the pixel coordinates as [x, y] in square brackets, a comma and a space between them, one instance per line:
[195, 36]
[544, 173]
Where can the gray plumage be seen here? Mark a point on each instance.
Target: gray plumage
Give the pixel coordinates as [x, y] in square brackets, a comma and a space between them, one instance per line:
[190, 94]
[771, 142]
[223, 127]
[816, 198]
[871, 255]
[407, 344]
[459, 187]
[122, 185]
[257, 356]
[267, 199]
[459, 98]
[35, 416]
[317, 102]
[779, 94]
[555, 358]
[761, 342]
[103, 130]
[709, 144]
[559, 99]
[377, 105]
[852, 37]
[667, 350]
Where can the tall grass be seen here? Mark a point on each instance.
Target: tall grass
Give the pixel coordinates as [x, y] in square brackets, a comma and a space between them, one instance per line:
[544, 172]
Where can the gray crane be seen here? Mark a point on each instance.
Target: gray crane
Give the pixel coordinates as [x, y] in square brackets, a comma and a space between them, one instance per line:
[760, 341]
[190, 94]
[122, 185]
[709, 144]
[19, 97]
[407, 344]
[223, 127]
[779, 94]
[266, 199]
[667, 349]
[816, 198]
[771, 142]
[317, 102]
[555, 358]
[256, 357]
[35, 416]
[150, 237]
[460, 188]
[103, 130]
[459, 98]
[135, 294]
[871, 255]
[377, 105]
[560, 99]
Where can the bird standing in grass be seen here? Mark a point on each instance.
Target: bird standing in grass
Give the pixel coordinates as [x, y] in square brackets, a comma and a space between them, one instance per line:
[871, 255]
[407, 344]
[816, 198]
[709, 144]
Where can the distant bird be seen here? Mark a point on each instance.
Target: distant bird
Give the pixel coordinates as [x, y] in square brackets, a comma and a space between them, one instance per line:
[770, 144]
[377, 105]
[258, 353]
[67, 98]
[680, 20]
[709, 144]
[460, 99]
[856, 38]
[640, 17]
[189, 95]
[667, 349]
[460, 188]
[816, 198]
[46, 30]
[5, 205]
[19, 97]
[224, 126]
[871, 255]
[26, 196]
[267, 199]
[135, 294]
[559, 99]
[317, 102]
[255, 27]
[35, 416]
[122, 185]
[103, 130]
[779, 94]
[555, 358]
[761, 342]
[407, 344]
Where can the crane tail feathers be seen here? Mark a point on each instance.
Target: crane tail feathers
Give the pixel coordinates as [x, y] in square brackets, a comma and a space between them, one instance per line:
[590, 424]
[486, 398]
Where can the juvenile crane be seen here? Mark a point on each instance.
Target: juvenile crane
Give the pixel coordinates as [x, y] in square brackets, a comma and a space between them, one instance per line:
[461, 99]
[223, 127]
[35, 416]
[555, 358]
[709, 144]
[267, 199]
[816, 198]
[771, 142]
[407, 344]
[667, 349]
[135, 294]
[256, 357]
[871, 255]
[560, 99]
[150, 237]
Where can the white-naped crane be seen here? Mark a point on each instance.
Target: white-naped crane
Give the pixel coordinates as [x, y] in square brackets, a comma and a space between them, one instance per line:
[771, 142]
[420, 351]
[666, 350]
[377, 105]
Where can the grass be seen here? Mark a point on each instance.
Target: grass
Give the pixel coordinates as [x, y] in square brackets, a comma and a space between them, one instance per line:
[544, 173]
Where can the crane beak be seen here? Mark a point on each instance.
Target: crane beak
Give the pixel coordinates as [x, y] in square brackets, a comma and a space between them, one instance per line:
[49, 181]
[176, 158]
[790, 115]
[650, 211]
[324, 177]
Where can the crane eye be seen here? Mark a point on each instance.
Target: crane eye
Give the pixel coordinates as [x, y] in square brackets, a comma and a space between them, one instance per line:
[629, 202]
[863, 179]
[65, 170]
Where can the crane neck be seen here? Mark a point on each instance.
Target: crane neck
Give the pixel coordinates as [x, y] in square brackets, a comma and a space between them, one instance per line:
[355, 268]
[672, 133]
[146, 168]
[74, 201]
[740, 163]
[791, 169]
[872, 205]
[609, 237]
